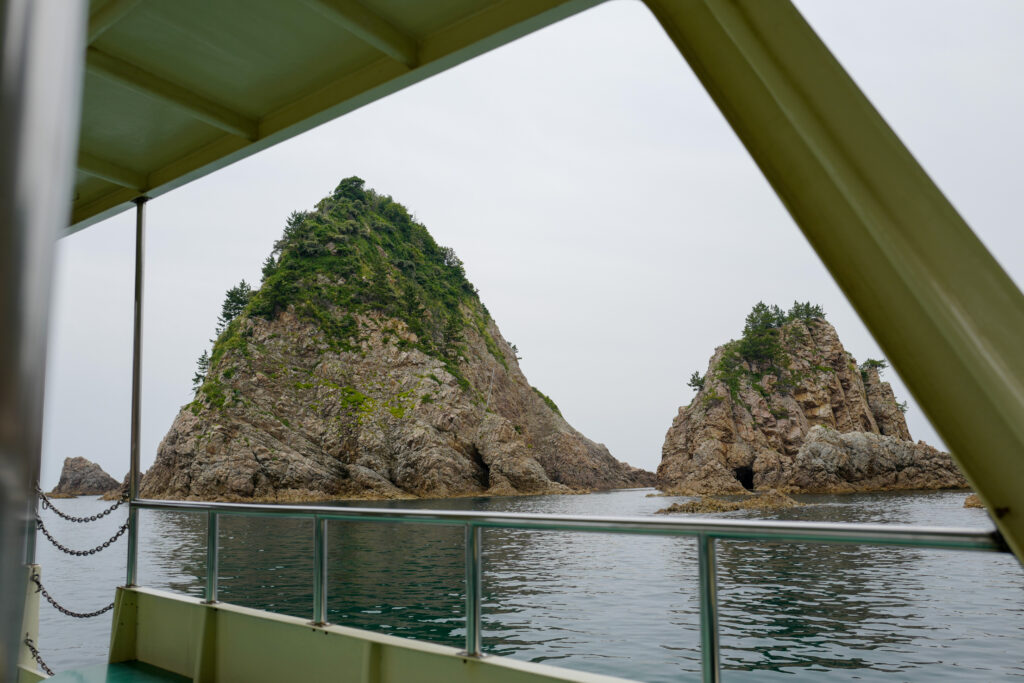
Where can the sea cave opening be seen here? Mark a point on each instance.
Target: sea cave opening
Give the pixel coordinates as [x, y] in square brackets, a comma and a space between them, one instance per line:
[745, 476]
[483, 476]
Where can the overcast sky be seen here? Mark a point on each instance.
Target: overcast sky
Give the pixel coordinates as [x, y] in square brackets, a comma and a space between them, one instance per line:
[614, 225]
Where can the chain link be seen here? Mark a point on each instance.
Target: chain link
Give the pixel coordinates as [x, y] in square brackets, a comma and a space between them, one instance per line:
[64, 610]
[46, 503]
[35, 655]
[81, 553]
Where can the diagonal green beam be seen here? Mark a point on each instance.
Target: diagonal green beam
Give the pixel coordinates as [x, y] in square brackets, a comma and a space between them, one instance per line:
[370, 28]
[111, 172]
[151, 85]
[937, 302]
[108, 15]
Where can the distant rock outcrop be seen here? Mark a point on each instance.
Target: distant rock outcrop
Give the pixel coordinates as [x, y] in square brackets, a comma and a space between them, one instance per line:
[787, 407]
[973, 501]
[80, 477]
[366, 366]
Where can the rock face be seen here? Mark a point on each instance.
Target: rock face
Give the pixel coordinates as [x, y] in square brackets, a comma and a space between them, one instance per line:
[80, 477]
[831, 462]
[121, 492]
[367, 367]
[800, 418]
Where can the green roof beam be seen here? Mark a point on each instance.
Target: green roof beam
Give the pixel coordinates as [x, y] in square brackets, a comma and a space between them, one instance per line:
[107, 16]
[486, 28]
[369, 28]
[111, 172]
[148, 84]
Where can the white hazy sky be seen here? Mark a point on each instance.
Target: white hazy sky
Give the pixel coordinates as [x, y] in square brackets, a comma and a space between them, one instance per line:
[613, 223]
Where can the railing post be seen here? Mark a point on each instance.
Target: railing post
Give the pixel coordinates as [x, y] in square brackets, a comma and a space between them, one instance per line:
[319, 571]
[708, 609]
[133, 545]
[136, 412]
[212, 556]
[473, 592]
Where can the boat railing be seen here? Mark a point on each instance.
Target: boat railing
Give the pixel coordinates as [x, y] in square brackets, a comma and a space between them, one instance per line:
[706, 532]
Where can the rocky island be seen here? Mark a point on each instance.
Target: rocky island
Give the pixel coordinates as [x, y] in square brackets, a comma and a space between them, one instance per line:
[786, 407]
[82, 477]
[366, 366]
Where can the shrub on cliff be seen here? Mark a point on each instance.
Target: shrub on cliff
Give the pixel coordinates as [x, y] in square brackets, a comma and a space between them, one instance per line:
[805, 311]
[760, 340]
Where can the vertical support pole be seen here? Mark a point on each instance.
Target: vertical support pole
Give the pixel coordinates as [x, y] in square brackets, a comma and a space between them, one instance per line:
[708, 609]
[133, 469]
[42, 48]
[212, 556]
[319, 571]
[473, 591]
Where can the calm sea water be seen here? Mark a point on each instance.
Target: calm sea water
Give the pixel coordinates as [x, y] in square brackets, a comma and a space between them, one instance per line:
[620, 605]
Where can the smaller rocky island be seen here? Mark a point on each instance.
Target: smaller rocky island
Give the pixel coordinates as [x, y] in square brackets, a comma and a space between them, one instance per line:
[786, 407]
[81, 477]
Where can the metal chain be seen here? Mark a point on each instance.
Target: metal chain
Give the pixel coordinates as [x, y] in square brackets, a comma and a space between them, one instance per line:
[64, 610]
[81, 553]
[47, 503]
[35, 655]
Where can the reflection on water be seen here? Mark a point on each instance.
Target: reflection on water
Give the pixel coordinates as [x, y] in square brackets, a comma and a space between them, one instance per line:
[628, 605]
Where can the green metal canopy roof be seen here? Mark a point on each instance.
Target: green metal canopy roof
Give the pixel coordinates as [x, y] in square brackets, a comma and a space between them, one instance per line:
[175, 90]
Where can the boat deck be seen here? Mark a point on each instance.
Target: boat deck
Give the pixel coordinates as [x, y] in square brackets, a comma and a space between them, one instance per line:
[121, 672]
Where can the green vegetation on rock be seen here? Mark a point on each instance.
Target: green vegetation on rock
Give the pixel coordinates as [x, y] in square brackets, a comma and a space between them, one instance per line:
[759, 352]
[359, 253]
[872, 364]
[696, 381]
[547, 400]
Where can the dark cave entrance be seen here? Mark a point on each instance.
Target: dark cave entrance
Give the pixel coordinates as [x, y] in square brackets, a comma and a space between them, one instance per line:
[483, 475]
[745, 476]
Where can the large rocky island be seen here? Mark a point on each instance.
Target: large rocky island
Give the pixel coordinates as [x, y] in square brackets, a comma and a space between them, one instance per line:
[366, 366]
[787, 407]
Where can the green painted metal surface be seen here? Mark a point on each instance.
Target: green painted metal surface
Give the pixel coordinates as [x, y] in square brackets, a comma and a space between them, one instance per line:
[937, 302]
[221, 642]
[176, 90]
[122, 672]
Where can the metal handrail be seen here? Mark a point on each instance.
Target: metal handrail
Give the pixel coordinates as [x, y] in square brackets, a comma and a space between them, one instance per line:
[707, 531]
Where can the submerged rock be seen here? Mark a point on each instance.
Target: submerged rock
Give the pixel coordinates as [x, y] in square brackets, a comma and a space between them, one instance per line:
[787, 407]
[771, 500]
[81, 477]
[366, 366]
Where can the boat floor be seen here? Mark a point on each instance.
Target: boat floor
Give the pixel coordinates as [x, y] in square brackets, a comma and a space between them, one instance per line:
[122, 672]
